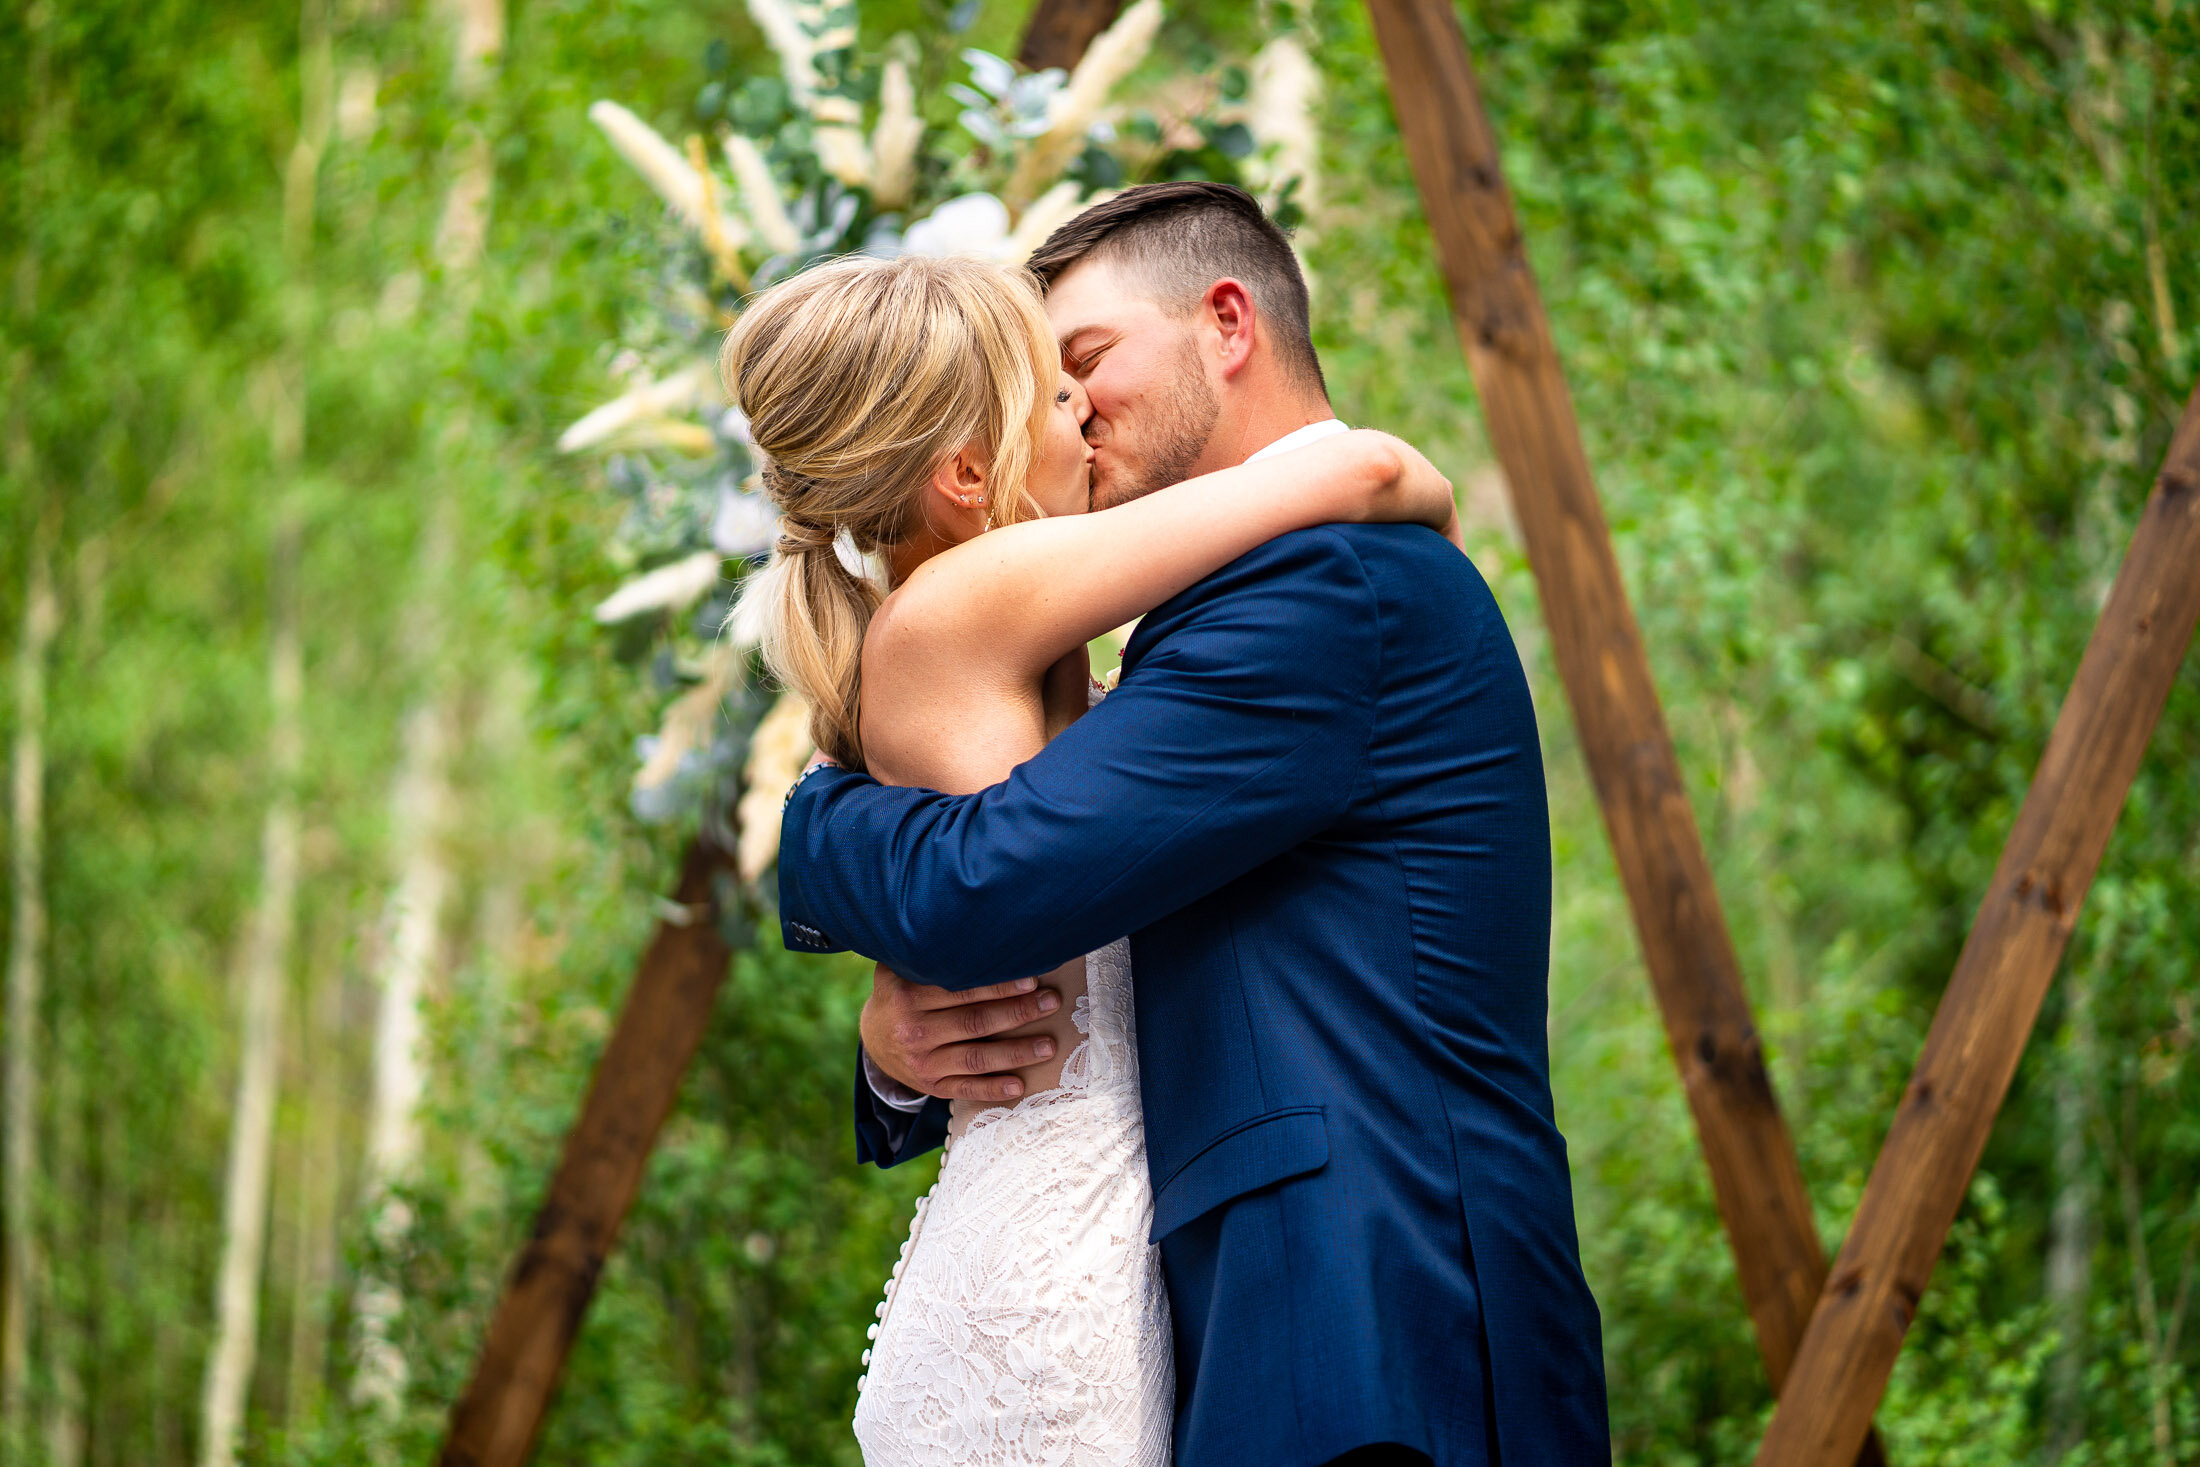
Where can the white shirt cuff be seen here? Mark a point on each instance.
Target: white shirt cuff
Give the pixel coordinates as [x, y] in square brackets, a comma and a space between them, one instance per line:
[890, 1092]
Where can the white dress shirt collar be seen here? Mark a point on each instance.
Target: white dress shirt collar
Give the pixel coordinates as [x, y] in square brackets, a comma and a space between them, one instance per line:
[1300, 437]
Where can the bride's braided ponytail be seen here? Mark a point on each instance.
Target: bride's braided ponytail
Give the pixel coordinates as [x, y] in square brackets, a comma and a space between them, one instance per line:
[859, 378]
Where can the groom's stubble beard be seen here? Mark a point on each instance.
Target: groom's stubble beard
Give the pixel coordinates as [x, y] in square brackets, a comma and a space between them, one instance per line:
[1179, 423]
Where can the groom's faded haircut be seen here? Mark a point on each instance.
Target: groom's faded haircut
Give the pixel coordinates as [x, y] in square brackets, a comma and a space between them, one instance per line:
[1178, 239]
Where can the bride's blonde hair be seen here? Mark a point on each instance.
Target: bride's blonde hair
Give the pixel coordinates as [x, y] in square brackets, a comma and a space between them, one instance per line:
[859, 379]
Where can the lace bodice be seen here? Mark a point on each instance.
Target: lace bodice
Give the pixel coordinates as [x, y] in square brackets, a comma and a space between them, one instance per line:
[1026, 1322]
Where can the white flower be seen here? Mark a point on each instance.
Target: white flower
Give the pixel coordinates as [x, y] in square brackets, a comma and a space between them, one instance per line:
[674, 178]
[669, 587]
[760, 195]
[983, 126]
[1030, 101]
[992, 73]
[692, 387]
[974, 224]
[743, 524]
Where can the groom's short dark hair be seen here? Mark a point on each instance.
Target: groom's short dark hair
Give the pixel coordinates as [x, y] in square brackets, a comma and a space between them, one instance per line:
[1183, 237]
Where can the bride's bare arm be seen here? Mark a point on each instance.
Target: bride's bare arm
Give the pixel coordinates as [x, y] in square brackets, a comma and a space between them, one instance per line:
[1023, 596]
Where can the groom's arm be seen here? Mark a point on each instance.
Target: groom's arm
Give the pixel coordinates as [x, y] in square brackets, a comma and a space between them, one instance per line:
[888, 1133]
[1238, 731]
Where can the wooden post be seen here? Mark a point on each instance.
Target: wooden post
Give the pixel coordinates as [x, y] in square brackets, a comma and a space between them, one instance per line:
[495, 1423]
[1754, 1172]
[1994, 996]
[1060, 30]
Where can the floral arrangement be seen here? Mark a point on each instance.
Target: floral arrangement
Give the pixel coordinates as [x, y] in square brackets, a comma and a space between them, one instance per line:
[838, 154]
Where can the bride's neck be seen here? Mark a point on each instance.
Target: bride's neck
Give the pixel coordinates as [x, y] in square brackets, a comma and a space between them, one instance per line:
[902, 560]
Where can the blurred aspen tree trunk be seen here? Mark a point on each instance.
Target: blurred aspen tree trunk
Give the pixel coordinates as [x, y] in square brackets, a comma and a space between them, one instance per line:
[26, 816]
[26, 941]
[267, 953]
[316, 1199]
[421, 798]
[2073, 1223]
[511, 840]
[413, 924]
[2159, 1334]
[61, 1311]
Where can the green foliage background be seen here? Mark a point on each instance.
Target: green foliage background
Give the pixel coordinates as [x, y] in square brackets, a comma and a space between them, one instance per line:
[1877, 317]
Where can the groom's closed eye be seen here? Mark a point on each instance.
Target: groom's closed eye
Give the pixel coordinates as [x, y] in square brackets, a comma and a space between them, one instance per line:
[1079, 359]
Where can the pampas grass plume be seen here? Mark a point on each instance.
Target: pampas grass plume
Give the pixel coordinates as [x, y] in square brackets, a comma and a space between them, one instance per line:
[784, 32]
[838, 139]
[691, 387]
[669, 587]
[895, 141]
[1113, 55]
[777, 751]
[692, 716]
[760, 195]
[674, 178]
[1048, 212]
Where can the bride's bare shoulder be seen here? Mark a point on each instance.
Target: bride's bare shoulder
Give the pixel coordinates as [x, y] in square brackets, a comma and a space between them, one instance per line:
[920, 652]
[932, 613]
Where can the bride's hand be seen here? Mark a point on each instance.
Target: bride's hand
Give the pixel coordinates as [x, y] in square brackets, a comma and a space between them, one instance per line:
[1408, 488]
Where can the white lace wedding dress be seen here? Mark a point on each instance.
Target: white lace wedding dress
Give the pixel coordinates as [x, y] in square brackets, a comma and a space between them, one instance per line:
[1026, 1322]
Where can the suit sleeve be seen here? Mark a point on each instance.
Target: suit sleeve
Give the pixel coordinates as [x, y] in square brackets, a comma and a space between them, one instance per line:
[1239, 730]
[888, 1136]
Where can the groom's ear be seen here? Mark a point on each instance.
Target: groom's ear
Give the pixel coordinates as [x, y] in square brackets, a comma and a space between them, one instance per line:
[1229, 313]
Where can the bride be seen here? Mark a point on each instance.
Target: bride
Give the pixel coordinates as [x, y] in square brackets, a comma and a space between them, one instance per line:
[914, 411]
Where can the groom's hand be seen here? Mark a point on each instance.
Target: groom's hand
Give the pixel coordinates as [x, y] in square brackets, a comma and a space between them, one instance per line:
[946, 1044]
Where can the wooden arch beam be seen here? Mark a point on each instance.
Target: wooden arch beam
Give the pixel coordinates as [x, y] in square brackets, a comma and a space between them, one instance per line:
[637, 1079]
[1755, 1174]
[1059, 31]
[1994, 996]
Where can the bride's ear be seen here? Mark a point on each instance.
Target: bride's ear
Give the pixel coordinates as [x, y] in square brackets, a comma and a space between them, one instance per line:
[961, 488]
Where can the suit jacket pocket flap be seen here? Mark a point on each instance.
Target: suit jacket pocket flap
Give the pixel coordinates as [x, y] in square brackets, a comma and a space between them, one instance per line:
[1269, 1148]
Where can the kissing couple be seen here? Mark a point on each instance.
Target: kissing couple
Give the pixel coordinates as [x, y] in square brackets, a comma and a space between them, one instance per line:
[1259, 1170]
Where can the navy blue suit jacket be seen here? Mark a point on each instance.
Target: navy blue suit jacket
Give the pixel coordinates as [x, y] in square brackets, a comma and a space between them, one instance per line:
[1316, 805]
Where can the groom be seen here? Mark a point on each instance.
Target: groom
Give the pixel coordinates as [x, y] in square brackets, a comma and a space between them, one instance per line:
[1316, 805]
